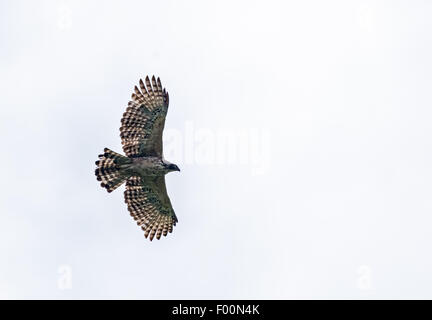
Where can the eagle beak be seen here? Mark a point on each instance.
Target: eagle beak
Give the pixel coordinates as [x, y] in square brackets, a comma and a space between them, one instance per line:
[173, 167]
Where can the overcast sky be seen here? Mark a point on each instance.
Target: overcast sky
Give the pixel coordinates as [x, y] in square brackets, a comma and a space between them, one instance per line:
[302, 130]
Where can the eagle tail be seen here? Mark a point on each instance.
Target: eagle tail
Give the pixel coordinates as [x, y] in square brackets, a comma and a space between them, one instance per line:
[111, 169]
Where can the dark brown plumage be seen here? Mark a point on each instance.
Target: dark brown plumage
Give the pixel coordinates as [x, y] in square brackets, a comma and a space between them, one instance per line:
[143, 168]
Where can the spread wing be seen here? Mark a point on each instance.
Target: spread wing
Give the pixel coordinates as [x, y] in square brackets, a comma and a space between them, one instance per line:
[144, 120]
[150, 206]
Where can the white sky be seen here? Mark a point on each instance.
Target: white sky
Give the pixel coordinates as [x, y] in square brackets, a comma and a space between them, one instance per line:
[328, 105]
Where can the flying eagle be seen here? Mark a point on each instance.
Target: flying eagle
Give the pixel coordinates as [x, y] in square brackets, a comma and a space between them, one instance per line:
[144, 167]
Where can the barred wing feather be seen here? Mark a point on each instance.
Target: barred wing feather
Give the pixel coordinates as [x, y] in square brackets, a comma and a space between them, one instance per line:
[144, 120]
[150, 206]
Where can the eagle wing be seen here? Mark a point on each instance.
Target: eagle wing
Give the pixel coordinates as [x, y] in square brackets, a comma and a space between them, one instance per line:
[150, 206]
[144, 120]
